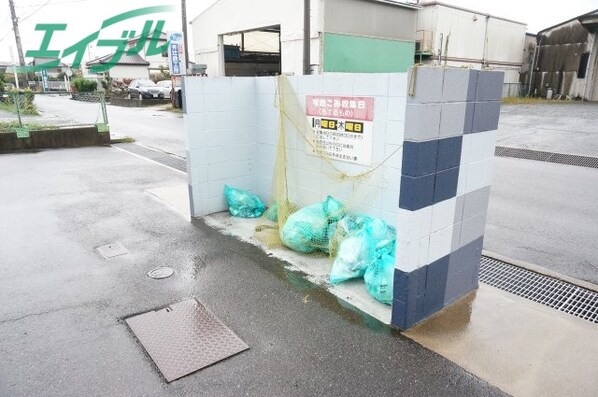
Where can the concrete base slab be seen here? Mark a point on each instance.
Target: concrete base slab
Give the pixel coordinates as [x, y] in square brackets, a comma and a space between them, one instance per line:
[524, 348]
[176, 197]
[316, 268]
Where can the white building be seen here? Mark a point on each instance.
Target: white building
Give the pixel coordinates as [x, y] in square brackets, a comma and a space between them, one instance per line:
[461, 37]
[231, 37]
[135, 66]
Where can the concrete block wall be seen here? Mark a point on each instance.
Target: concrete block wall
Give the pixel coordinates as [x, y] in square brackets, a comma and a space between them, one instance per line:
[231, 117]
[220, 119]
[450, 133]
[434, 188]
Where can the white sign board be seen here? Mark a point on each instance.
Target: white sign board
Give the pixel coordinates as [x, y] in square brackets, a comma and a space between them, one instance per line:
[343, 128]
[177, 63]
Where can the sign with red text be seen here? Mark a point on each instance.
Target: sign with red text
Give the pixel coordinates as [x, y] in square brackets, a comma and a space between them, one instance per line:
[343, 127]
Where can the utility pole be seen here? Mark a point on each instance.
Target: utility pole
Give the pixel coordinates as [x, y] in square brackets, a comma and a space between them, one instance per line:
[306, 37]
[185, 43]
[15, 27]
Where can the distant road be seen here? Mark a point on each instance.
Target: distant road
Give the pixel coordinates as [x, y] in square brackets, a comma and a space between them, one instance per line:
[149, 126]
[545, 214]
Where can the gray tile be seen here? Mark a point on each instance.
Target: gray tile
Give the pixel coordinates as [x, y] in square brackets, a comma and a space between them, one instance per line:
[422, 122]
[476, 202]
[473, 228]
[489, 85]
[452, 119]
[457, 85]
[428, 85]
[460, 204]
[485, 117]
[456, 241]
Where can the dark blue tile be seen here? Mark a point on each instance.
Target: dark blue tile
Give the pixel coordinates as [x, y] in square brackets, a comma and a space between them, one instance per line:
[489, 85]
[463, 270]
[409, 297]
[419, 158]
[485, 117]
[449, 153]
[445, 185]
[417, 192]
[469, 113]
[436, 278]
[408, 285]
[472, 86]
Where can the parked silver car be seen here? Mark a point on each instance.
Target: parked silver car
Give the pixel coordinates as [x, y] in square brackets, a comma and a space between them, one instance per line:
[145, 89]
[166, 86]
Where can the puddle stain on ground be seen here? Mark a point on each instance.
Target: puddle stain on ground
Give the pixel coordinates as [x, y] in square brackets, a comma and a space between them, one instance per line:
[294, 279]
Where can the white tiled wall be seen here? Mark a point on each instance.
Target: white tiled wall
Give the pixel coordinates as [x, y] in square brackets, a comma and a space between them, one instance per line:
[232, 126]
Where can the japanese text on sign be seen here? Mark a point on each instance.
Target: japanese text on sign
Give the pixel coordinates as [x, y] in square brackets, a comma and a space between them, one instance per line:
[342, 128]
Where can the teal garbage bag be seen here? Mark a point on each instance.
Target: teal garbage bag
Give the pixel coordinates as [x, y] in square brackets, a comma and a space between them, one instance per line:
[379, 278]
[243, 204]
[363, 240]
[355, 254]
[306, 230]
[272, 213]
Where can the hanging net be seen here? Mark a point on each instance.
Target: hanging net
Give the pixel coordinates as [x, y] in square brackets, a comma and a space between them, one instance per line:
[316, 202]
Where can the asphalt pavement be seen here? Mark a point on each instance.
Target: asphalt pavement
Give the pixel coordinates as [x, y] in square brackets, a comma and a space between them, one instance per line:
[61, 320]
[152, 126]
[563, 127]
[545, 214]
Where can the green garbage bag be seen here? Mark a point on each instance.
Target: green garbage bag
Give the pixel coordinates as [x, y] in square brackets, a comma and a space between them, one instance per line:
[306, 230]
[355, 254]
[379, 278]
[271, 213]
[243, 204]
[363, 240]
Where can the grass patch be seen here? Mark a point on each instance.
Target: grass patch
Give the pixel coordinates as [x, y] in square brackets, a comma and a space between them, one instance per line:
[170, 108]
[26, 111]
[9, 126]
[124, 139]
[531, 101]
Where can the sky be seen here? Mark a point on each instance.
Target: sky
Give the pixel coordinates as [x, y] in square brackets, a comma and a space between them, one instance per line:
[83, 17]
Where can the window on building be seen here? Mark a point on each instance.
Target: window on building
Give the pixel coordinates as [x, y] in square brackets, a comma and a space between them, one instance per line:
[583, 65]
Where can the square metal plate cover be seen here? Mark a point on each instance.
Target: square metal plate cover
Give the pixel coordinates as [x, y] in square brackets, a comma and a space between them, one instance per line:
[184, 337]
[112, 250]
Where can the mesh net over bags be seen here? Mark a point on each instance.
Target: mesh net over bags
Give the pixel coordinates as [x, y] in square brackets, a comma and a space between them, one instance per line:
[306, 218]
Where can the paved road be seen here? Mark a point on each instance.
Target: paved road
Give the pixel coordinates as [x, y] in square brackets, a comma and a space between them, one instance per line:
[558, 127]
[540, 213]
[61, 328]
[545, 214]
[149, 126]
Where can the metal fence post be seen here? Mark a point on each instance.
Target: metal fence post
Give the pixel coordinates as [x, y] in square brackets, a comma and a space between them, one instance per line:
[103, 106]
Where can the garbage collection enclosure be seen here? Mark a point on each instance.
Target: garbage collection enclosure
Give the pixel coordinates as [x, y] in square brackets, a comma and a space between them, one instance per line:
[413, 149]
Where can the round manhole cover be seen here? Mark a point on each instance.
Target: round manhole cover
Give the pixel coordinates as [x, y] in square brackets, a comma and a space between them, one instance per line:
[161, 272]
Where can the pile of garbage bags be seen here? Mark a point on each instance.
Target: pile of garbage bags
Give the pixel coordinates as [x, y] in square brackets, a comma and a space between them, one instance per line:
[363, 246]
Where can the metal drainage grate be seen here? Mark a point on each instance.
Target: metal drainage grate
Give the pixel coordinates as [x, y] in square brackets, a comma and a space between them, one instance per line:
[558, 294]
[169, 160]
[550, 157]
